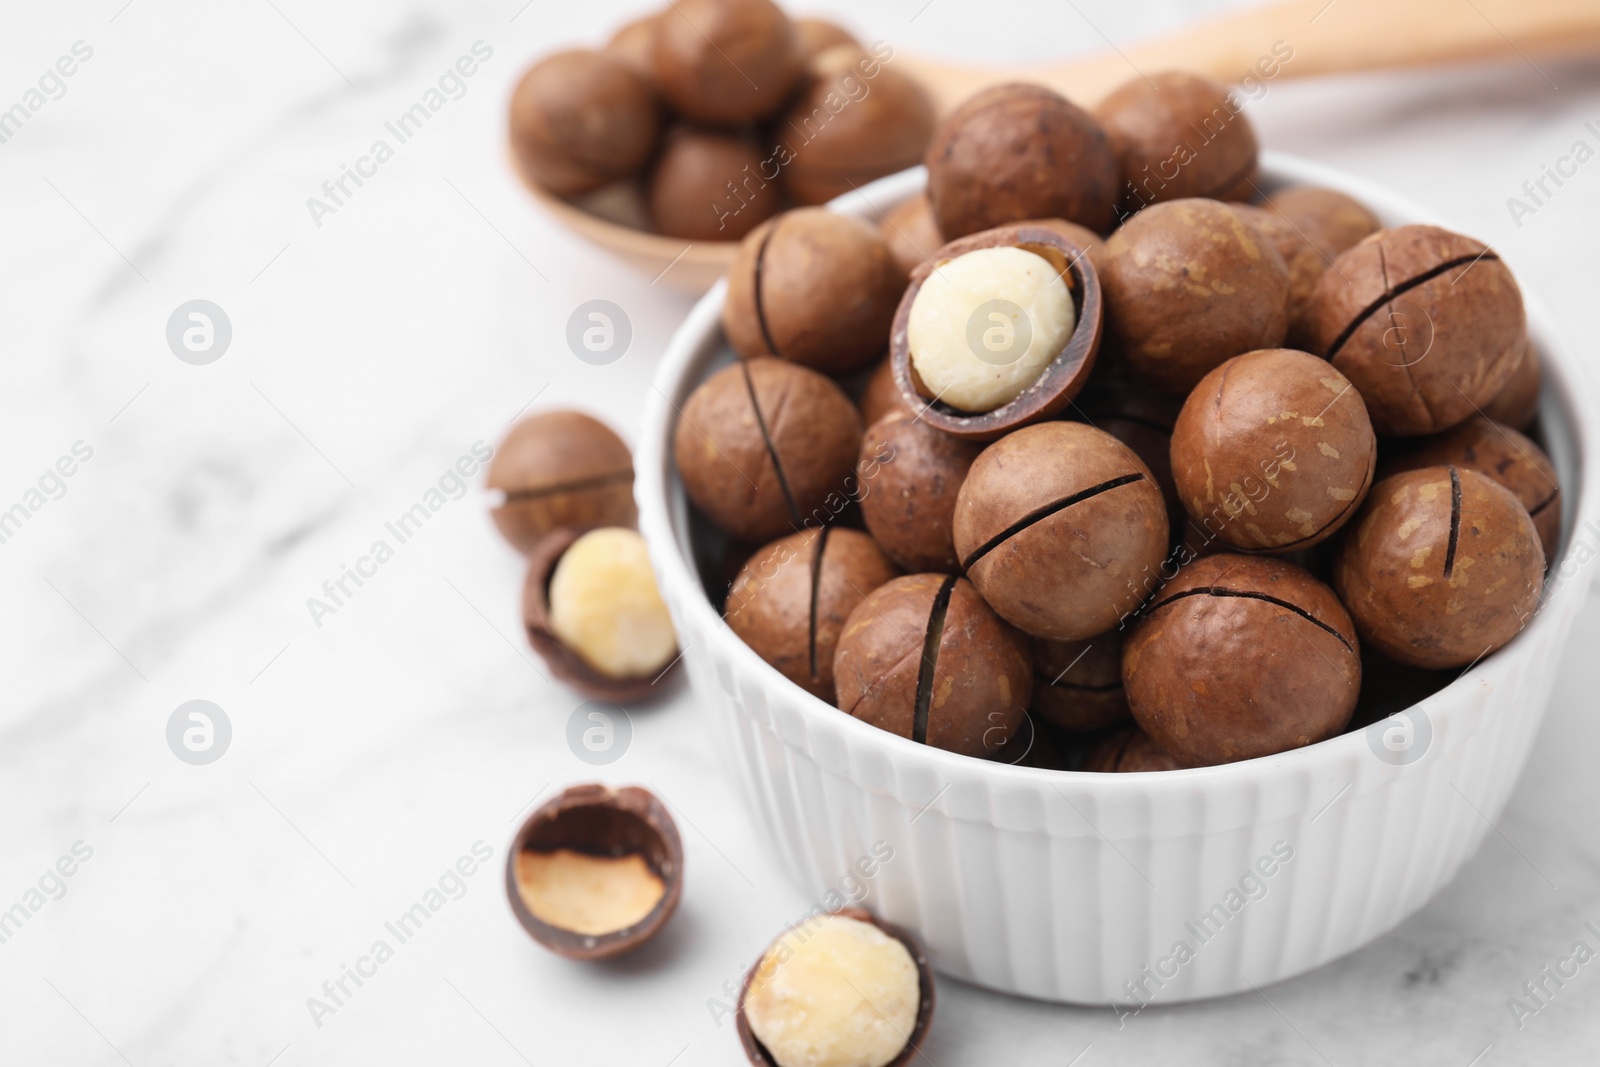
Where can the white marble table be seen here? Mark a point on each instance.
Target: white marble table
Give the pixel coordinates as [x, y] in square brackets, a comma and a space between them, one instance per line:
[371, 348]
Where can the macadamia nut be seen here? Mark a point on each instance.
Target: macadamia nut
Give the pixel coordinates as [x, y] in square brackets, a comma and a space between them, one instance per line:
[986, 324]
[604, 605]
[836, 992]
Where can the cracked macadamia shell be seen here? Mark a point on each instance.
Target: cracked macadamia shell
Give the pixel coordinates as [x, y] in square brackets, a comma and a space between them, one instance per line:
[909, 474]
[1077, 685]
[789, 604]
[985, 325]
[1188, 285]
[813, 287]
[841, 989]
[1091, 243]
[854, 121]
[1442, 567]
[1061, 527]
[560, 469]
[561, 652]
[604, 605]
[1239, 657]
[1273, 451]
[1178, 134]
[1015, 152]
[833, 991]
[765, 446]
[595, 843]
[580, 119]
[726, 62]
[966, 690]
[1427, 323]
[1505, 455]
[984, 330]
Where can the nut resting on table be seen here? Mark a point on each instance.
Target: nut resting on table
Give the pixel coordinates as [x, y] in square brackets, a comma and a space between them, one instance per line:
[843, 989]
[590, 606]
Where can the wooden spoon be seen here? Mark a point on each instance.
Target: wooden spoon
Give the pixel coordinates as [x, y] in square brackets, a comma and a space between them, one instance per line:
[1326, 37]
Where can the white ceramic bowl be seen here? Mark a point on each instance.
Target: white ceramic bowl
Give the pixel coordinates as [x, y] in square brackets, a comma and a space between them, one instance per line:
[1097, 888]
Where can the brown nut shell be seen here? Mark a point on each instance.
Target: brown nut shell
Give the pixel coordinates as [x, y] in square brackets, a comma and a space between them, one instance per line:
[1062, 378]
[1388, 687]
[881, 396]
[563, 661]
[688, 191]
[1329, 219]
[818, 35]
[909, 475]
[765, 446]
[600, 821]
[1442, 567]
[1239, 657]
[1305, 260]
[1129, 750]
[1062, 528]
[1273, 451]
[1188, 285]
[1143, 421]
[1177, 134]
[560, 469]
[1426, 323]
[1092, 244]
[925, 658]
[882, 129]
[914, 236]
[1505, 455]
[1153, 445]
[911, 232]
[757, 1053]
[726, 62]
[635, 44]
[791, 599]
[1019, 151]
[580, 119]
[1517, 403]
[813, 287]
[1077, 685]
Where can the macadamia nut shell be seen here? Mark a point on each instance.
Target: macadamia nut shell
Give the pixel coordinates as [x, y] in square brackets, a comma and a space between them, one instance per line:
[1061, 527]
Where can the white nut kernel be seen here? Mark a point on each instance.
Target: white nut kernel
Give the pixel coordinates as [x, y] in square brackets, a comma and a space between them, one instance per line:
[986, 324]
[834, 992]
[604, 605]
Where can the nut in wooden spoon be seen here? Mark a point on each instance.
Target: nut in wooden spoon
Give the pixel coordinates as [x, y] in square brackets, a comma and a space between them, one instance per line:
[752, 41]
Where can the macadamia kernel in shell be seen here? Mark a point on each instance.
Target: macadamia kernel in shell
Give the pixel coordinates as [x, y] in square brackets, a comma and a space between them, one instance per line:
[837, 992]
[986, 324]
[604, 605]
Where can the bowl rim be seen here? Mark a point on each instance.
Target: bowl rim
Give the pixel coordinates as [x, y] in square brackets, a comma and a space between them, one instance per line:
[1570, 390]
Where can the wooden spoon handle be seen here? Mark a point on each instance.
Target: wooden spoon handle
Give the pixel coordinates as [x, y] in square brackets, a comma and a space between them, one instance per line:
[1316, 36]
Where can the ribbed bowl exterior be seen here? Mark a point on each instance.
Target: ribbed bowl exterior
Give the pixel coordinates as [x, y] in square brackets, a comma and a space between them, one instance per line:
[1124, 888]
